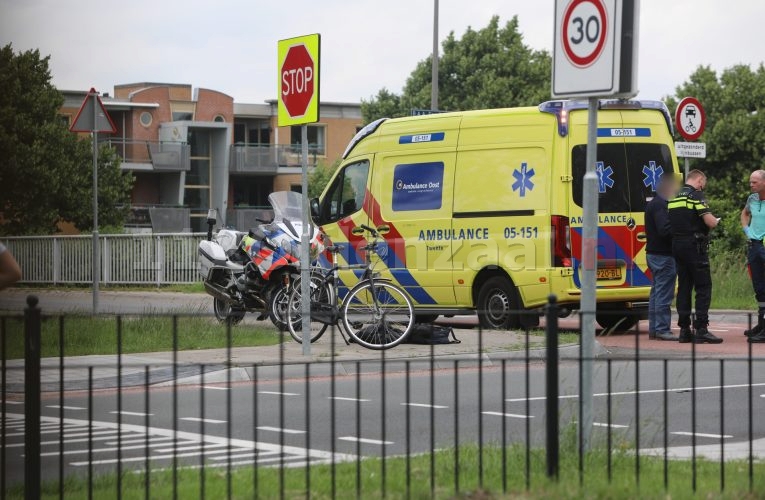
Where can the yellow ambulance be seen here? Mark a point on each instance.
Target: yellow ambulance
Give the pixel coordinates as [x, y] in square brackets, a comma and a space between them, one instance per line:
[485, 207]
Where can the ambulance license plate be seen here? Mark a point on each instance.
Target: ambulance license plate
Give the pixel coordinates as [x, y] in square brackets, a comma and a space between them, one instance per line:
[609, 273]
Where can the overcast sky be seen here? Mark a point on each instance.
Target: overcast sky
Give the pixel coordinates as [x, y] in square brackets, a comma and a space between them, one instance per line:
[230, 46]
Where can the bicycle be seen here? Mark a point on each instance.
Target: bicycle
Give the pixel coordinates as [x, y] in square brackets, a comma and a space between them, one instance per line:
[375, 313]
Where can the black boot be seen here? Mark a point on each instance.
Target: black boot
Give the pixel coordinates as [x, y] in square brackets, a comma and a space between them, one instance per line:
[704, 336]
[759, 328]
[686, 335]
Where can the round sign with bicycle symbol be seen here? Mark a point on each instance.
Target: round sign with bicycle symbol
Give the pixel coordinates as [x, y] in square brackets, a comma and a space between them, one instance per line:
[690, 118]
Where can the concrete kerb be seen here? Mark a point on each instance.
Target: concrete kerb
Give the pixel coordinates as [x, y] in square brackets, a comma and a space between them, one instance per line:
[324, 368]
[161, 372]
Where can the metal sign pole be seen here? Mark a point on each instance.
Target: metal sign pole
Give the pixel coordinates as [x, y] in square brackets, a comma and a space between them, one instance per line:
[434, 62]
[305, 258]
[96, 250]
[588, 271]
[687, 166]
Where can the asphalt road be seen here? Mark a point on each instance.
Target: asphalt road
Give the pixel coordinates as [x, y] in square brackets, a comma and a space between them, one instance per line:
[268, 422]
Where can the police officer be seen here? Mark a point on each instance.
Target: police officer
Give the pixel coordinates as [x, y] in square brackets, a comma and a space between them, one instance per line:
[753, 222]
[691, 220]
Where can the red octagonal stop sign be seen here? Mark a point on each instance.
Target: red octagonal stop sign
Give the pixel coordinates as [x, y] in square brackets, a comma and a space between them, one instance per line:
[297, 80]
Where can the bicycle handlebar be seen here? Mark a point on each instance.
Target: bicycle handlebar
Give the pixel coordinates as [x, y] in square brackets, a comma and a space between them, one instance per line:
[371, 230]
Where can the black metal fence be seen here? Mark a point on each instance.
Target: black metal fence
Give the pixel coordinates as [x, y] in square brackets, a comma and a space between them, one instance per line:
[418, 421]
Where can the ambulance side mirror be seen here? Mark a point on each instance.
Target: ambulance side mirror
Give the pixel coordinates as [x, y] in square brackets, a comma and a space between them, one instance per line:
[314, 204]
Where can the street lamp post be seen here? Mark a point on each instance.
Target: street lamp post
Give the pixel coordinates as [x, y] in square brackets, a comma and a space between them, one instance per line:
[434, 76]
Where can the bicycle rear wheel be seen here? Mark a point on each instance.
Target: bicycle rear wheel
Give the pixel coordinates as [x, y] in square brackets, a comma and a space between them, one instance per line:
[382, 323]
[321, 293]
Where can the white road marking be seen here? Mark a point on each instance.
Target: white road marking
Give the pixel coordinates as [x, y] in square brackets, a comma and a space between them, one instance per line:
[644, 391]
[215, 388]
[508, 415]
[205, 420]
[143, 459]
[424, 405]
[73, 408]
[340, 398]
[613, 426]
[237, 445]
[52, 431]
[363, 440]
[132, 413]
[14, 402]
[701, 434]
[103, 450]
[205, 446]
[275, 393]
[139, 441]
[279, 429]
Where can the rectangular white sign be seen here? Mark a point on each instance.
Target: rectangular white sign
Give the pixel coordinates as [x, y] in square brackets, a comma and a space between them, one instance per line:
[595, 48]
[691, 149]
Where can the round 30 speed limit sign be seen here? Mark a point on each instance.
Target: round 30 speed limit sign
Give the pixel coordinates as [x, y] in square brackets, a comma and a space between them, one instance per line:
[584, 31]
[595, 48]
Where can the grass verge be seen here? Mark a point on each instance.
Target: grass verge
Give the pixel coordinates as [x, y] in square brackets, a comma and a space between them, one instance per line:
[501, 476]
[83, 335]
[731, 286]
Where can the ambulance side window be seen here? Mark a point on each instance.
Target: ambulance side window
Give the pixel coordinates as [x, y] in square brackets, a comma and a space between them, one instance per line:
[346, 195]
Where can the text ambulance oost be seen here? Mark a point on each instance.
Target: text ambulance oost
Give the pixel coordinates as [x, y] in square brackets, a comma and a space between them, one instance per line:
[485, 207]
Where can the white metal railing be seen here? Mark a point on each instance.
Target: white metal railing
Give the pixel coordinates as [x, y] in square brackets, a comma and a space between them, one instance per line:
[156, 259]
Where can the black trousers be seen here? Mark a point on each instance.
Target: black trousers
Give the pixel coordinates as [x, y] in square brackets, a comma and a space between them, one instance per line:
[692, 262]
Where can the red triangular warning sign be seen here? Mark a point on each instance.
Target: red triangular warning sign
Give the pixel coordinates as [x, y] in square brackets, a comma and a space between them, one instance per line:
[92, 116]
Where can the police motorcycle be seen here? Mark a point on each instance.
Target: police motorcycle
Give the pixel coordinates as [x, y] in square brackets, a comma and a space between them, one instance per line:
[245, 272]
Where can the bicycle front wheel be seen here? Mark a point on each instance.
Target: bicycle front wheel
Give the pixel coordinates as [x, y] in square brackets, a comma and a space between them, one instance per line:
[378, 316]
[321, 293]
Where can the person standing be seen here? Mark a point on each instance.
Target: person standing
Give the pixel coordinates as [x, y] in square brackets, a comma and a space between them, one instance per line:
[661, 262]
[691, 219]
[753, 222]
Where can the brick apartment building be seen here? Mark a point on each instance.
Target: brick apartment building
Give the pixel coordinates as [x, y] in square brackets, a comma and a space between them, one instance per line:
[195, 149]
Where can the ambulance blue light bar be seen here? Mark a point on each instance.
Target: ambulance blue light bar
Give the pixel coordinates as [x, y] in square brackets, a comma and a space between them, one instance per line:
[561, 110]
[368, 130]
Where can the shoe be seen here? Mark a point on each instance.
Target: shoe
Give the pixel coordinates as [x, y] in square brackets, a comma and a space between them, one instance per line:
[703, 336]
[755, 330]
[666, 336]
[757, 339]
[686, 335]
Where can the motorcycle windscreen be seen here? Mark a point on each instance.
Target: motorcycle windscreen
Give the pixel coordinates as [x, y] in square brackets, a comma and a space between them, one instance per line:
[628, 174]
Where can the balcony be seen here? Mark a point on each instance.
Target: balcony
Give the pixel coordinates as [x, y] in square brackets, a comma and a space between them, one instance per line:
[268, 158]
[158, 156]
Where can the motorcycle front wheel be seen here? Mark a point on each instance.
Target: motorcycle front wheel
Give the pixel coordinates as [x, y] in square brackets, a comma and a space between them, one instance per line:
[224, 311]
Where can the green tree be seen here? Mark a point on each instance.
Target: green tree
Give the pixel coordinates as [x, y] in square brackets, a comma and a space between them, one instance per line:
[319, 178]
[734, 101]
[45, 170]
[488, 68]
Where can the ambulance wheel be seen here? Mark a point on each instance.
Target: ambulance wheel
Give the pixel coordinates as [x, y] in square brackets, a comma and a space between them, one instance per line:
[223, 311]
[498, 304]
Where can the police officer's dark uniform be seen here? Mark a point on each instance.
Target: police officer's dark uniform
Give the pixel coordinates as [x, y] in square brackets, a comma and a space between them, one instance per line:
[690, 247]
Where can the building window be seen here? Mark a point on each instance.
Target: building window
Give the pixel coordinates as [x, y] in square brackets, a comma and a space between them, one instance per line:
[179, 116]
[65, 120]
[219, 119]
[296, 188]
[145, 118]
[317, 139]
